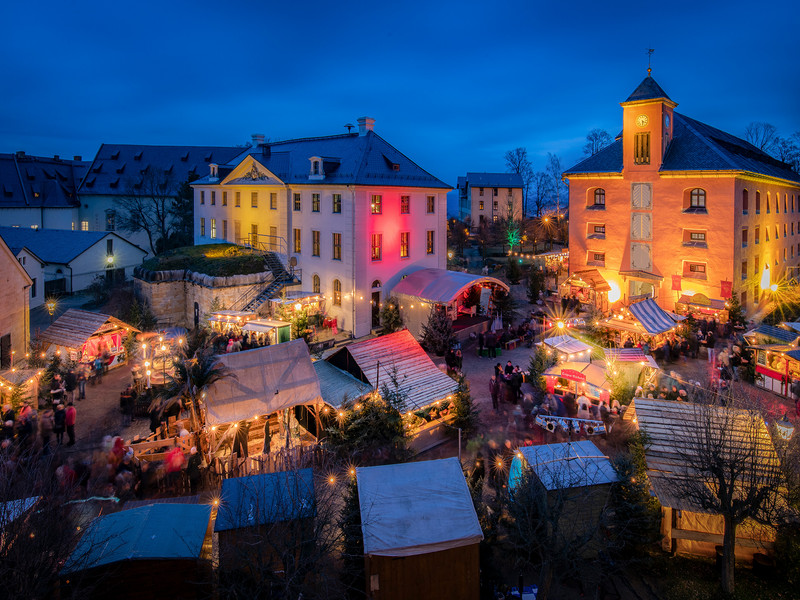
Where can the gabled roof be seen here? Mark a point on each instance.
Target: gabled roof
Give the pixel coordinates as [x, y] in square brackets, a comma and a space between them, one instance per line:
[11, 257]
[337, 385]
[39, 181]
[567, 465]
[374, 361]
[567, 344]
[154, 532]
[75, 326]
[441, 285]
[348, 159]
[653, 318]
[506, 180]
[118, 167]
[607, 160]
[416, 508]
[770, 332]
[264, 499]
[56, 246]
[647, 90]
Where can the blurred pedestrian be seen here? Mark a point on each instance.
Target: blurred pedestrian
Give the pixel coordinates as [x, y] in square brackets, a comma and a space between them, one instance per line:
[59, 423]
[69, 421]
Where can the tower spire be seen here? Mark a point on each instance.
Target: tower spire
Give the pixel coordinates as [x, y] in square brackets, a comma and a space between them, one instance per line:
[649, 54]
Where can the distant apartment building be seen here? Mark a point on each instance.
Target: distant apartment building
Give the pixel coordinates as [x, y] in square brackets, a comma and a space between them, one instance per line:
[675, 209]
[353, 212]
[489, 197]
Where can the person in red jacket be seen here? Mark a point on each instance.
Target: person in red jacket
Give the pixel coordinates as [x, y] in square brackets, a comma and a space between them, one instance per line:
[70, 423]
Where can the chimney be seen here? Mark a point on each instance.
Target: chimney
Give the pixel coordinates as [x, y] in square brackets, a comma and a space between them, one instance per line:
[77, 157]
[365, 124]
[20, 153]
[258, 139]
[56, 157]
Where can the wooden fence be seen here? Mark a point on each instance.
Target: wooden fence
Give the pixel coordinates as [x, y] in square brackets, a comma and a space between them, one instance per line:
[285, 459]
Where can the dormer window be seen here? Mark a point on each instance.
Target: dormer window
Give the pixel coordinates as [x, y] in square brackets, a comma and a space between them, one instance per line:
[214, 169]
[315, 167]
[317, 171]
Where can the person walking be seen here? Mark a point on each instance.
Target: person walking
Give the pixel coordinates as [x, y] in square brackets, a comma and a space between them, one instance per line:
[494, 390]
[491, 345]
[82, 376]
[59, 423]
[194, 469]
[46, 425]
[69, 421]
[98, 369]
[70, 384]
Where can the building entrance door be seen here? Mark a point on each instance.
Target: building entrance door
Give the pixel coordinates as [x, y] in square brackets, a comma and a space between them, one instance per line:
[376, 309]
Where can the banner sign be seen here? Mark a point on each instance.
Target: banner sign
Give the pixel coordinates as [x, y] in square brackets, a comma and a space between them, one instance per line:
[725, 289]
[573, 375]
[676, 283]
[568, 425]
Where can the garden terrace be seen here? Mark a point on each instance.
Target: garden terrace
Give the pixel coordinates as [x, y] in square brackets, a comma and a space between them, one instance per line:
[216, 260]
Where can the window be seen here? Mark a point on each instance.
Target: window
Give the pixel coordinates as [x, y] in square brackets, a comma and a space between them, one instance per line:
[698, 269]
[756, 263]
[315, 284]
[405, 205]
[111, 220]
[745, 201]
[21, 260]
[84, 225]
[315, 243]
[697, 198]
[495, 218]
[769, 201]
[784, 255]
[377, 204]
[697, 236]
[237, 231]
[273, 201]
[213, 229]
[758, 202]
[337, 292]
[33, 287]
[642, 196]
[494, 191]
[404, 238]
[337, 203]
[641, 149]
[758, 235]
[337, 246]
[792, 227]
[238, 199]
[202, 227]
[213, 198]
[744, 299]
[202, 197]
[254, 234]
[744, 270]
[430, 245]
[480, 204]
[600, 230]
[766, 234]
[641, 226]
[785, 201]
[225, 230]
[777, 232]
[600, 197]
[297, 242]
[598, 258]
[298, 205]
[784, 230]
[510, 192]
[377, 246]
[744, 237]
[314, 202]
[432, 203]
[224, 198]
[495, 205]
[254, 199]
[109, 247]
[480, 191]
[315, 167]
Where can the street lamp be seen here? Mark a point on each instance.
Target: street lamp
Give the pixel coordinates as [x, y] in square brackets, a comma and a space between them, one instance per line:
[51, 305]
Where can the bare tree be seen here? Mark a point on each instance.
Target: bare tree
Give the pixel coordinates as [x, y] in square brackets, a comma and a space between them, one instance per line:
[541, 188]
[554, 171]
[517, 161]
[148, 205]
[596, 140]
[761, 135]
[730, 468]
[787, 150]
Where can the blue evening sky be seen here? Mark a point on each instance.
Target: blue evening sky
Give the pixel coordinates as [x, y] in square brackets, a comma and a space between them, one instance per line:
[452, 84]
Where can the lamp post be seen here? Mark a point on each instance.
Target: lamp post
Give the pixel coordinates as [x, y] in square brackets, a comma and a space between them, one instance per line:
[51, 305]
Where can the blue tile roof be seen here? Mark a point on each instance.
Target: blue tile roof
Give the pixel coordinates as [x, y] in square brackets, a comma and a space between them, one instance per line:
[348, 159]
[695, 146]
[118, 167]
[58, 246]
[776, 333]
[513, 180]
[647, 90]
[269, 498]
[39, 182]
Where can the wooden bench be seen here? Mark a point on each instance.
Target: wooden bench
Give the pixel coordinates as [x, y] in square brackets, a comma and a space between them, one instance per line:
[512, 344]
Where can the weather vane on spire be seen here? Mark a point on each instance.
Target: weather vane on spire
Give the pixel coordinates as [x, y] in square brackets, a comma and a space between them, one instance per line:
[649, 54]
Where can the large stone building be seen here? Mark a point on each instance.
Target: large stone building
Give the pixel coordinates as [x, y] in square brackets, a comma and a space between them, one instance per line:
[15, 315]
[675, 208]
[354, 212]
[489, 197]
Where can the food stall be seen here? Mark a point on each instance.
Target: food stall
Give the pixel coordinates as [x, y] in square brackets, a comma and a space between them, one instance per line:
[636, 367]
[579, 378]
[643, 320]
[230, 321]
[567, 348]
[701, 306]
[589, 287]
[267, 332]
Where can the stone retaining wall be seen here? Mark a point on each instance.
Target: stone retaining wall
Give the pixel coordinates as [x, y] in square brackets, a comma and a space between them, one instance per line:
[172, 294]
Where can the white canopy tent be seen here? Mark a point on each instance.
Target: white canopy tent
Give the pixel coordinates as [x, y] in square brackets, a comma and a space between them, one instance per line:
[397, 516]
[266, 380]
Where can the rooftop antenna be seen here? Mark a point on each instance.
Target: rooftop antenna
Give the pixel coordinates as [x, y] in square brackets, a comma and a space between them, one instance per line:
[349, 127]
[649, 54]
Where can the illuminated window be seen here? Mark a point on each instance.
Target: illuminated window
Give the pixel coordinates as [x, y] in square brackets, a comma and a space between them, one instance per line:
[495, 218]
[480, 191]
[697, 236]
[432, 203]
[480, 205]
[297, 203]
[254, 234]
[297, 242]
[641, 149]
[202, 197]
[698, 198]
[598, 258]
[377, 246]
[254, 199]
[315, 243]
[213, 229]
[337, 203]
[600, 197]
[225, 229]
[337, 292]
[337, 246]
[202, 227]
[377, 204]
[238, 199]
[273, 201]
[314, 202]
[745, 201]
[404, 238]
[224, 198]
[405, 205]
[213, 198]
[315, 284]
[430, 246]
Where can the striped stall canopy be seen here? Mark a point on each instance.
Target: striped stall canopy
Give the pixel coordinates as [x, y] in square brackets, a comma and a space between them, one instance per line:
[653, 318]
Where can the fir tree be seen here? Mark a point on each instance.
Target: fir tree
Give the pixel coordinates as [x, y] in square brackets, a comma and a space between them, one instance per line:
[540, 362]
[505, 305]
[536, 284]
[513, 272]
[735, 312]
[391, 319]
[437, 333]
[466, 415]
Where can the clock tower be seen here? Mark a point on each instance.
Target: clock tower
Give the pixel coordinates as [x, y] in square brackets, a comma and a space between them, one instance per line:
[646, 127]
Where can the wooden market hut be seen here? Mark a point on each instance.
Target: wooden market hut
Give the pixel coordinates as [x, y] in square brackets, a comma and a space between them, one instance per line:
[635, 366]
[260, 517]
[641, 320]
[777, 357]
[154, 551]
[589, 286]
[421, 533]
[82, 335]
[670, 426]
[568, 348]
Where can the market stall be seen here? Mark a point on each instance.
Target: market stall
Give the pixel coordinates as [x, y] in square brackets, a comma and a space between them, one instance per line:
[701, 306]
[567, 348]
[267, 332]
[579, 378]
[82, 336]
[636, 367]
[643, 320]
[589, 287]
[777, 357]
[229, 321]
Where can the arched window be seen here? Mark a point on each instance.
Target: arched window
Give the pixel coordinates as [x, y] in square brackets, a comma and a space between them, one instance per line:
[745, 201]
[337, 292]
[758, 202]
[600, 197]
[315, 167]
[315, 284]
[698, 198]
[376, 284]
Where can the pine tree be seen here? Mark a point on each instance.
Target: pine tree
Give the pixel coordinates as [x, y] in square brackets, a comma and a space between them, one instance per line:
[437, 333]
[466, 415]
[536, 284]
[735, 312]
[513, 272]
[391, 319]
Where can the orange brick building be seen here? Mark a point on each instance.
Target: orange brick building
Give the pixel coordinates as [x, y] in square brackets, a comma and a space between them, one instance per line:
[677, 209]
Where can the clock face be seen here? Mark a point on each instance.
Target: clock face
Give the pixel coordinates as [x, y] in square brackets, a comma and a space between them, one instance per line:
[641, 120]
[666, 121]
